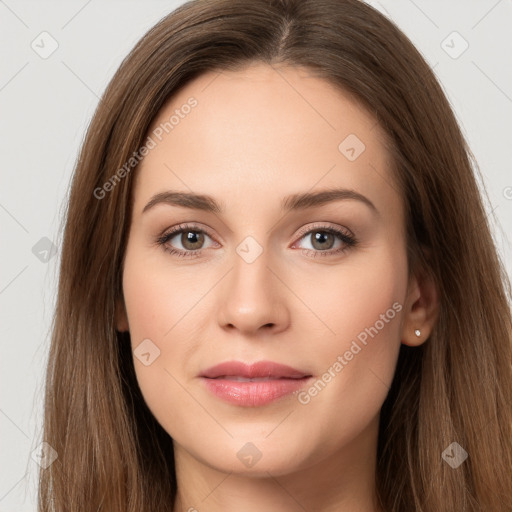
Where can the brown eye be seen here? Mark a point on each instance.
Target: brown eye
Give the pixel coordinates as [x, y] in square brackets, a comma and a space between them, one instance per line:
[185, 241]
[192, 240]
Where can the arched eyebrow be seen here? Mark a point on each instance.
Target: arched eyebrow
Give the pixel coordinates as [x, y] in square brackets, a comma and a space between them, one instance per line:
[305, 200]
[293, 202]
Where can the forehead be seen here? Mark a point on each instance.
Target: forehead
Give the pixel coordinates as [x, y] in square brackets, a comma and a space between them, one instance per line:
[264, 130]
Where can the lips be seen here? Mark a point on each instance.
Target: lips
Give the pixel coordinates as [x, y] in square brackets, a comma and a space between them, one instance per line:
[252, 385]
[259, 370]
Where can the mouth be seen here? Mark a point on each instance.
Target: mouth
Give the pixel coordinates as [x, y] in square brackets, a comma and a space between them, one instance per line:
[237, 378]
[253, 385]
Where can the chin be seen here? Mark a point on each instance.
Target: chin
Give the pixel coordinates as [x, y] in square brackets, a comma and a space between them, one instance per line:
[254, 455]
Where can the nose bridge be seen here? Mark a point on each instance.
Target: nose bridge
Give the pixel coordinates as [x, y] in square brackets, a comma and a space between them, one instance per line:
[251, 296]
[250, 268]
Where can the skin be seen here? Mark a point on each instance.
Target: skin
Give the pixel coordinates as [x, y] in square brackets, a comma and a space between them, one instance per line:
[256, 136]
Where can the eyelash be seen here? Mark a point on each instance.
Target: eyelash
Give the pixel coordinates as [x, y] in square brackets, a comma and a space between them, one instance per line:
[349, 240]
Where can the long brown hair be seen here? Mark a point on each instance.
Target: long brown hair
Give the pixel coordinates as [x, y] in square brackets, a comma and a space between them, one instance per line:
[456, 387]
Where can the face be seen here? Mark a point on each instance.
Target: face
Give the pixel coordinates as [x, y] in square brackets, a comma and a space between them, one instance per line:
[269, 270]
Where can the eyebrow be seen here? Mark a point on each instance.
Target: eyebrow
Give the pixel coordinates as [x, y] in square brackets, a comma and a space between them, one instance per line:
[294, 202]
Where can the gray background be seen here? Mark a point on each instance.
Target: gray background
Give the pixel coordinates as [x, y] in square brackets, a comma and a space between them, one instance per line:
[46, 105]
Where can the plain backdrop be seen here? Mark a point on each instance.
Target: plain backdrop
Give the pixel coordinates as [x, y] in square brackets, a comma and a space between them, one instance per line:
[46, 103]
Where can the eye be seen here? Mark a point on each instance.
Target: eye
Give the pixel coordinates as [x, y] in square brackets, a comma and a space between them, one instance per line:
[322, 240]
[190, 237]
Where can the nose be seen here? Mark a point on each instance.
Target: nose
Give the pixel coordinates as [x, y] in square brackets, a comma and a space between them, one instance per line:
[253, 297]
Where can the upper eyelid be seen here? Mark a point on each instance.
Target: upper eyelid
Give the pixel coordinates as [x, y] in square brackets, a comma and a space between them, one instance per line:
[319, 225]
[184, 226]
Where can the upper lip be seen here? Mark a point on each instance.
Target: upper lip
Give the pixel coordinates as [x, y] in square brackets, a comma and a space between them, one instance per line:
[254, 370]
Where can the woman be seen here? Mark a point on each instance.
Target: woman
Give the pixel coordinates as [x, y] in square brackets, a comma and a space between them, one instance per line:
[208, 353]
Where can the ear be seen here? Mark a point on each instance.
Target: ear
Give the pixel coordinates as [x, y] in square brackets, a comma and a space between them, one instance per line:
[121, 318]
[421, 309]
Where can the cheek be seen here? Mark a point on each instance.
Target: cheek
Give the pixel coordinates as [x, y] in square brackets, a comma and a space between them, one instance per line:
[166, 308]
[158, 301]
[360, 304]
[157, 308]
[358, 355]
[356, 295]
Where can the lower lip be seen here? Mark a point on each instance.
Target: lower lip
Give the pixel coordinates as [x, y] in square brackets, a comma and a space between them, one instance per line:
[253, 394]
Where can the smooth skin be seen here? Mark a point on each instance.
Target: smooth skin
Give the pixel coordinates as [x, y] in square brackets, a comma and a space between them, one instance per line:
[255, 137]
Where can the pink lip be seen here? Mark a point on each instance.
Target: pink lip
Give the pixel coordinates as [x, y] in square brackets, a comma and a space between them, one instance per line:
[280, 380]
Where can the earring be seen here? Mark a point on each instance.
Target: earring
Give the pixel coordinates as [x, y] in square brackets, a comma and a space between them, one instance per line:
[417, 332]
